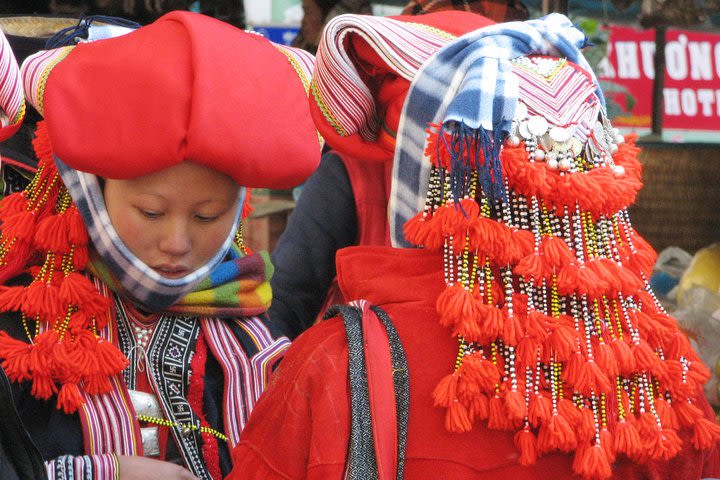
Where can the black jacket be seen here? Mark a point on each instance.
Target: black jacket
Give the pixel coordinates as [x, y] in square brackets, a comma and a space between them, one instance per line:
[19, 458]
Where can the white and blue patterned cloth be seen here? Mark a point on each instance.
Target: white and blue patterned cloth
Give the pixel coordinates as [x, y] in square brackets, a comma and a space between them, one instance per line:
[468, 86]
[144, 285]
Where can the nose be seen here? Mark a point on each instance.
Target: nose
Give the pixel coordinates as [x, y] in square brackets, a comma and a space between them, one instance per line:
[175, 240]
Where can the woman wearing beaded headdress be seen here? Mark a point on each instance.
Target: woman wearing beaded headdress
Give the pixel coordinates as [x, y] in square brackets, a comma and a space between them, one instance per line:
[522, 340]
[133, 330]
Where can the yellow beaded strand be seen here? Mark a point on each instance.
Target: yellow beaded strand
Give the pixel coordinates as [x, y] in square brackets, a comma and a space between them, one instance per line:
[185, 427]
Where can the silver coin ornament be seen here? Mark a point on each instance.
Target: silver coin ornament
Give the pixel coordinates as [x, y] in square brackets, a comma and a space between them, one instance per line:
[537, 125]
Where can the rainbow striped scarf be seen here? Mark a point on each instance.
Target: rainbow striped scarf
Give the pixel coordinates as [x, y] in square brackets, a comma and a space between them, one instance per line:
[238, 286]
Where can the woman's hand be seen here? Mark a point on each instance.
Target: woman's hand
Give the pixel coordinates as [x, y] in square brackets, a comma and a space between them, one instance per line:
[142, 468]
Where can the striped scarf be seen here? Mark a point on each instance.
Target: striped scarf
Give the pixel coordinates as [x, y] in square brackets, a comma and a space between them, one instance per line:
[480, 92]
[238, 287]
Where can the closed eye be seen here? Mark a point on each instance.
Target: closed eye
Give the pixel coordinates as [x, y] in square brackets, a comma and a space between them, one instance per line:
[207, 218]
[151, 214]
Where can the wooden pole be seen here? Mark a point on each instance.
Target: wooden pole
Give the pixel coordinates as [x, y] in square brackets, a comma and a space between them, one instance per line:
[658, 82]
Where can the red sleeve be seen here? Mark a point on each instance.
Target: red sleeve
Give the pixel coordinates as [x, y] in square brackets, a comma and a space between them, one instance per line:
[300, 426]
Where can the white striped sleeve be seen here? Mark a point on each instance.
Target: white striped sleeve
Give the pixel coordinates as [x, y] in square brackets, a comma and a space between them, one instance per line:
[83, 467]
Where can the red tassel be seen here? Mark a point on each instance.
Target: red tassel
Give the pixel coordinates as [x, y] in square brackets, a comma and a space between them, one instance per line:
[445, 392]
[687, 413]
[479, 371]
[667, 414]
[41, 300]
[515, 405]
[16, 357]
[526, 443]
[526, 353]
[478, 406]
[627, 440]
[12, 204]
[605, 358]
[51, 234]
[539, 409]
[647, 360]
[498, 415]
[608, 444]
[20, 225]
[562, 342]
[512, 329]
[557, 434]
[570, 411]
[531, 268]
[524, 243]
[457, 419]
[571, 372]
[455, 304]
[592, 463]
[77, 232]
[11, 298]
[705, 434]
[491, 323]
[417, 230]
[556, 252]
[537, 324]
[586, 427]
[69, 398]
[624, 356]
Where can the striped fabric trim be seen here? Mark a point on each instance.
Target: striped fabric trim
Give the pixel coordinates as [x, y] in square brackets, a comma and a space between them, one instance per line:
[343, 97]
[86, 467]
[566, 99]
[12, 101]
[108, 420]
[245, 379]
[303, 62]
[35, 71]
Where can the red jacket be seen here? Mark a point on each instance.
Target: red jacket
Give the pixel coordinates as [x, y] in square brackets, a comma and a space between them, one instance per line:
[301, 425]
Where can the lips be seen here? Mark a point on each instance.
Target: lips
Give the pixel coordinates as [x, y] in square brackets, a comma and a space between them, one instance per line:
[172, 271]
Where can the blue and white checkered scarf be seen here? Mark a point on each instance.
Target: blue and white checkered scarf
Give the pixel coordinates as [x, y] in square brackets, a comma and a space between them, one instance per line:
[144, 285]
[469, 88]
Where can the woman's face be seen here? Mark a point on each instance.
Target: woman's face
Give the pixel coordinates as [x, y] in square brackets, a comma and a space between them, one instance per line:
[174, 220]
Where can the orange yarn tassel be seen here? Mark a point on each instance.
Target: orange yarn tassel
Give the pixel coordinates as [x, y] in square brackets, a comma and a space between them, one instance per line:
[479, 371]
[705, 434]
[11, 298]
[557, 434]
[624, 356]
[69, 398]
[556, 252]
[539, 409]
[455, 304]
[515, 405]
[445, 393]
[592, 463]
[627, 440]
[526, 443]
[498, 417]
[457, 419]
[608, 444]
[605, 358]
